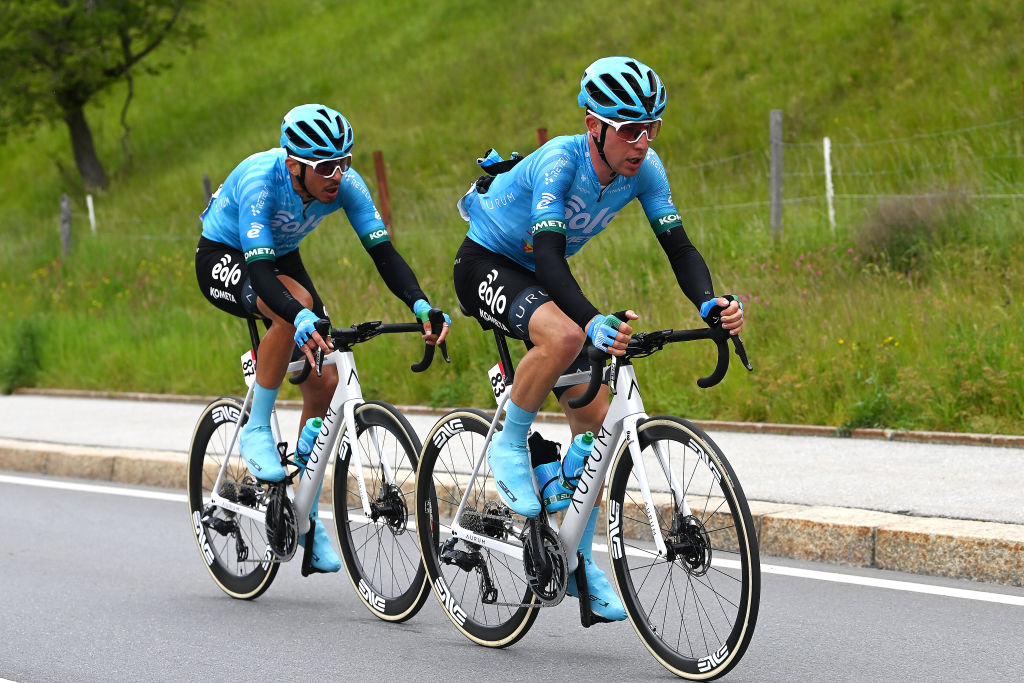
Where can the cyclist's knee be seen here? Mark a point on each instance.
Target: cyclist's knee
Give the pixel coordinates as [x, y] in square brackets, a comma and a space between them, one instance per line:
[561, 338]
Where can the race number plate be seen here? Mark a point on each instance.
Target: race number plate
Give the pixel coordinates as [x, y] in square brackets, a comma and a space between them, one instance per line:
[498, 385]
[249, 367]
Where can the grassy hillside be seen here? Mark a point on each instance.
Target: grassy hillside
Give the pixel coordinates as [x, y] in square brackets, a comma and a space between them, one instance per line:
[906, 314]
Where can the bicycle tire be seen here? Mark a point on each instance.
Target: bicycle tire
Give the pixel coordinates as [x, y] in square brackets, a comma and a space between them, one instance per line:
[381, 557]
[711, 581]
[446, 462]
[238, 556]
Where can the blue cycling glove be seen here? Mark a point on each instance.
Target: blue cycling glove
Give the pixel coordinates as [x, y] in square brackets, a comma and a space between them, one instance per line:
[602, 331]
[712, 318]
[304, 326]
[421, 309]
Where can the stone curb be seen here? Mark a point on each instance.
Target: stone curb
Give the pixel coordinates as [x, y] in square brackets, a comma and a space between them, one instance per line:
[962, 549]
[955, 438]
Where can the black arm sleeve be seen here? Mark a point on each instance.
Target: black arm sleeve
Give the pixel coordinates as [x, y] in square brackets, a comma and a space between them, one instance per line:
[554, 275]
[691, 271]
[269, 288]
[397, 274]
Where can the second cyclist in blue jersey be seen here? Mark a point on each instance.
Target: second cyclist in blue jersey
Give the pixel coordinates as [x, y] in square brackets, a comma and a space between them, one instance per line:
[248, 264]
[512, 272]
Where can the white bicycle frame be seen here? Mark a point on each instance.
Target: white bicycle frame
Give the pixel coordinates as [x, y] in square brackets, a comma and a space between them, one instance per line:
[625, 412]
[347, 397]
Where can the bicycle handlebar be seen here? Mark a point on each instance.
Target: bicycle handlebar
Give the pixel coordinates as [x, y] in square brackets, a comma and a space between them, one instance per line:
[646, 343]
[361, 332]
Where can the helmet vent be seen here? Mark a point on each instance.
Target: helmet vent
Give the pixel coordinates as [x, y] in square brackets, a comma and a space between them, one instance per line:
[624, 95]
[598, 96]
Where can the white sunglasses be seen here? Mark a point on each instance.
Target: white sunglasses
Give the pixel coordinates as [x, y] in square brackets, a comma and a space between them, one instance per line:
[326, 168]
[630, 131]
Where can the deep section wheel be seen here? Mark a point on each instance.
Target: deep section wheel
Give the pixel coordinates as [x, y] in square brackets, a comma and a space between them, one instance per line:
[694, 607]
[234, 547]
[378, 546]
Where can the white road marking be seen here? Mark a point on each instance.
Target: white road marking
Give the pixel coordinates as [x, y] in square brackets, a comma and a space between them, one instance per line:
[795, 572]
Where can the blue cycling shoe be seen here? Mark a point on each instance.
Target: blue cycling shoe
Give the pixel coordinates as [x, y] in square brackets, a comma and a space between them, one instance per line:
[604, 601]
[513, 476]
[259, 450]
[324, 557]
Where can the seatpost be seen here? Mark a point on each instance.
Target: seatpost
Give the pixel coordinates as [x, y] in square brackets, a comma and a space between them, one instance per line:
[504, 357]
[254, 334]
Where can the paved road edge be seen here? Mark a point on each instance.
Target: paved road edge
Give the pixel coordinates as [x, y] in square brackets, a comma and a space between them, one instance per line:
[962, 549]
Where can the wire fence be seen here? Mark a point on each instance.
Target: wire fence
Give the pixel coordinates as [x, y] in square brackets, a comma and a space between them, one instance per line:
[834, 182]
[824, 183]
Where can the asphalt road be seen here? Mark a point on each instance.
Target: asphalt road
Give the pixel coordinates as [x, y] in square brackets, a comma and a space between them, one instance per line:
[102, 582]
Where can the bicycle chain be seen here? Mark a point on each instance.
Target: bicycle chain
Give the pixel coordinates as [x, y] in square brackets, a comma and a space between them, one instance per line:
[538, 603]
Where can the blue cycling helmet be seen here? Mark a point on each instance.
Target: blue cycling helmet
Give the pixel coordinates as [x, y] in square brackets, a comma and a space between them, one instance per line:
[315, 131]
[622, 88]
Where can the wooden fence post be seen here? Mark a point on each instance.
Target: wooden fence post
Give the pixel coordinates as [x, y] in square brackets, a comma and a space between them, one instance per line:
[65, 225]
[542, 136]
[206, 187]
[775, 131]
[382, 190]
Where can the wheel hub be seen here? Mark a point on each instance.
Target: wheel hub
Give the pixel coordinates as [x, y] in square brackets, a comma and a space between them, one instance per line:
[688, 541]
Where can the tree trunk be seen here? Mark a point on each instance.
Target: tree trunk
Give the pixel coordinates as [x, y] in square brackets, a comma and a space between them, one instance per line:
[93, 175]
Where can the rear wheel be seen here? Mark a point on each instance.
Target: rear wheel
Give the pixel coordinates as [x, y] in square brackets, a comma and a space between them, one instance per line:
[695, 609]
[234, 547]
[380, 551]
[484, 592]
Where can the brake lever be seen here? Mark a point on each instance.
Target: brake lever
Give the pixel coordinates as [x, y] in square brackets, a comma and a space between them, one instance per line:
[741, 351]
[323, 327]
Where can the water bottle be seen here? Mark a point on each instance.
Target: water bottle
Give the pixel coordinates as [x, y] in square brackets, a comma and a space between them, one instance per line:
[575, 459]
[306, 440]
[547, 467]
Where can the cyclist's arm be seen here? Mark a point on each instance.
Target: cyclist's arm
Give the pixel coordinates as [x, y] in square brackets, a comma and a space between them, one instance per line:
[366, 221]
[689, 267]
[273, 293]
[554, 275]
[254, 211]
[396, 273]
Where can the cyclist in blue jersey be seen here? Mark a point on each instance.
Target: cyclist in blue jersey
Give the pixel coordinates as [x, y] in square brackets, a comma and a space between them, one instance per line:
[512, 273]
[248, 264]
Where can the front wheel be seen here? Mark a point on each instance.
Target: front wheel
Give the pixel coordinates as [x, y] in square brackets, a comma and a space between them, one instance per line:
[694, 608]
[234, 547]
[379, 550]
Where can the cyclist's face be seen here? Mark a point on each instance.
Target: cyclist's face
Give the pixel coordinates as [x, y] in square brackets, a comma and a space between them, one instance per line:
[625, 158]
[317, 187]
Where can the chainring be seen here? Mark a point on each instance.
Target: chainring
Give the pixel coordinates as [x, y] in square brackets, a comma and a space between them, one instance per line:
[551, 592]
[282, 529]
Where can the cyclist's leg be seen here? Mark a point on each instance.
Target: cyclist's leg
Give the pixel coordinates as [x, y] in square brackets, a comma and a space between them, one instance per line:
[257, 441]
[223, 279]
[604, 601]
[556, 341]
[316, 395]
[502, 294]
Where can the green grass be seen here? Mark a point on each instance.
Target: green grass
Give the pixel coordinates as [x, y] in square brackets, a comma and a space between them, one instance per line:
[905, 315]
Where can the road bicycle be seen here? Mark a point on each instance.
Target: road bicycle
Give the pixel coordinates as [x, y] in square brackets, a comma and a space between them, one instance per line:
[245, 528]
[684, 552]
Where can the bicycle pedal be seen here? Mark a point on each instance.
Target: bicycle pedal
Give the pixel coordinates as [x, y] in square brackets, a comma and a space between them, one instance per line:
[307, 552]
[587, 616]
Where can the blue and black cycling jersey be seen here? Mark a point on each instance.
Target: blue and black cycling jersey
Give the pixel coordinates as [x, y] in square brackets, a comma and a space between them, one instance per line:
[556, 190]
[258, 212]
